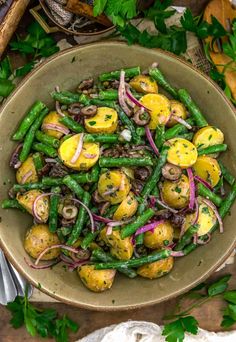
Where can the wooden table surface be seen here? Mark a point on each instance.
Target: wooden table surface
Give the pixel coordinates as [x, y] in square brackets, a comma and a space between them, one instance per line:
[209, 315]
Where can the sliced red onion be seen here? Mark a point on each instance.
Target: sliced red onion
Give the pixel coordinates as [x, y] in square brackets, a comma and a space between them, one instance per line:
[78, 149]
[134, 100]
[136, 254]
[148, 227]
[200, 180]
[88, 211]
[26, 176]
[110, 191]
[177, 254]
[118, 223]
[151, 141]
[166, 206]
[195, 237]
[152, 201]
[55, 127]
[109, 230]
[101, 219]
[197, 211]
[50, 160]
[14, 161]
[68, 248]
[213, 207]
[181, 121]
[154, 65]
[42, 267]
[191, 188]
[90, 155]
[122, 94]
[202, 242]
[34, 207]
[66, 259]
[57, 104]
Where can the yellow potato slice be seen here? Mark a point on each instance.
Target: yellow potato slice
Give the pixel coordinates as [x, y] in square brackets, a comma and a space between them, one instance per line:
[181, 153]
[206, 218]
[67, 150]
[105, 121]
[121, 249]
[127, 208]
[208, 136]
[208, 168]
[159, 107]
[156, 269]
[176, 193]
[42, 206]
[96, 280]
[144, 84]
[27, 168]
[113, 186]
[161, 236]
[53, 118]
[178, 109]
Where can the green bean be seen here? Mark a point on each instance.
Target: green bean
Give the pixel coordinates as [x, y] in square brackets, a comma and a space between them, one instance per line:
[212, 149]
[219, 185]
[73, 186]
[228, 202]
[38, 161]
[29, 138]
[160, 136]
[155, 176]
[47, 139]
[192, 107]
[131, 228]
[100, 255]
[67, 97]
[187, 136]
[95, 173]
[139, 239]
[28, 186]
[52, 181]
[226, 174]
[110, 211]
[80, 221]
[53, 211]
[189, 248]
[129, 124]
[140, 131]
[163, 254]
[157, 75]
[124, 161]
[102, 103]
[207, 193]
[28, 120]
[65, 230]
[187, 237]
[115, 75]
[71, 124]
[102, 138]
[46, 149]
[178, 129]
[155, 191]
[110, 94]
[12, 203]
[82, 178]
[90, 237]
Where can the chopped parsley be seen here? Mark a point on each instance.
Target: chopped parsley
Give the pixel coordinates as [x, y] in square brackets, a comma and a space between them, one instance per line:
[92, 123]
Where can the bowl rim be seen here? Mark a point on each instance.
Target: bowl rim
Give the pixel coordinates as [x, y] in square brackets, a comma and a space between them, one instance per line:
[122, 307]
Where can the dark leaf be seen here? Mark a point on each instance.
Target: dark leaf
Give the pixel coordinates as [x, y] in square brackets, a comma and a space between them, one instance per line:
[231, 309]
[6, 87]
[5, 68]
[187, 21]
[219, 286]
[230, 296]
[22, 47]
[202, 31]
[227, 322]
[199, 287]
[22, 71]
[216, 30]
[36, 30]
[48, 51]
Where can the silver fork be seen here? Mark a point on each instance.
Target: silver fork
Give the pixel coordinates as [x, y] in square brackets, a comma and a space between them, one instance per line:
[12, 284]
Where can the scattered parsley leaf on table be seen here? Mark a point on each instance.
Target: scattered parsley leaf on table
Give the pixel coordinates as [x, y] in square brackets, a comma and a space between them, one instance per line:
[175, 331]
[219, 286]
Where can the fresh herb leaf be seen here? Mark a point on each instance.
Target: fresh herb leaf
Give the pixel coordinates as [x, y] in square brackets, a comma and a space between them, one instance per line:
[5, 68]
[22, 46]
[219, 286]
[6, 87]
[227, 322]
[98, 7]
[230, 296]
[175, 331]
[22, 71]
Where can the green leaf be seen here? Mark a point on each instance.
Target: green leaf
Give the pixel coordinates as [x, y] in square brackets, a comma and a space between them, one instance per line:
[22, 47]
[232, 311]
[22, 71]
[230, 296]
[175, 331]
[190, 324]
[16, 309]
[230, 47]
[5, 68]
[98, 7]
[29, 323]
[227, 322]
[48, 51]
[199, 287]
[36, 30]
[219, 286]
[216, 30]
[187, 21]
[6, 87]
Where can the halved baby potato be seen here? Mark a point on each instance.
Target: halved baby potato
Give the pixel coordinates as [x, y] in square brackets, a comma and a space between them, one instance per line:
[105, 121]
[96, 280]
[38, 238]
[206, 218]
[27, 168]
[42, 206]
[208, 136]
[161, 236]
[67, 150]
[113, 186]
[208, 169]
[120, 249]
[127, 208]
[176, 193]
[53, 118]
[144, 84]
[159, 106]
[156, 269]
[178, 109]
[181, 153]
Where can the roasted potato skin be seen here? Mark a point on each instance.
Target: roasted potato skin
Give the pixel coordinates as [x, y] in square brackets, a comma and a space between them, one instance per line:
[27, 166]
[120, 249]
[27, 199]
[156, 269]
[96, 280]
[208, 168]
[38, 238]
[162, 235]
[127, 208]
[144, 84]
[178, 109]
[176, 193]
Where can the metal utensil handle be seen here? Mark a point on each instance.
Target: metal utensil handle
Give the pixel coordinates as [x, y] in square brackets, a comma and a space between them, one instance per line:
[35, 13]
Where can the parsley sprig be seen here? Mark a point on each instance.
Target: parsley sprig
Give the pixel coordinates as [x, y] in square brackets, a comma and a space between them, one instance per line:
[44, 323]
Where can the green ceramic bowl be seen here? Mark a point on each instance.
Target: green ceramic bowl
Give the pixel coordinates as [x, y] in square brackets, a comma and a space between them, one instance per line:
[66, 69]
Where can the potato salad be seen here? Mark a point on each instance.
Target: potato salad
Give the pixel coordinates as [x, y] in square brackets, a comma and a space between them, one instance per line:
[121, 175]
